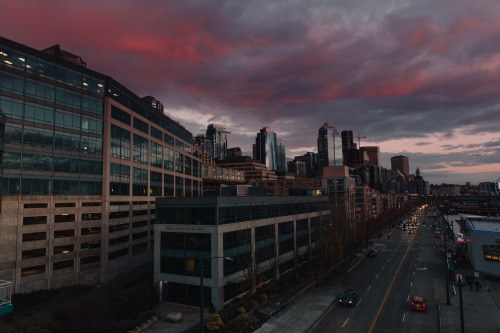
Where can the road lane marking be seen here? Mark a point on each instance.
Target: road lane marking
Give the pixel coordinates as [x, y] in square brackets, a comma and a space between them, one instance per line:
[390, 287]
[411, 284]
[413, 273]
[383, 267]
[345, 322]
[369, 287]
[408, 298]
[404, 314]
[376, 277]
[354, 266]
[359, 301]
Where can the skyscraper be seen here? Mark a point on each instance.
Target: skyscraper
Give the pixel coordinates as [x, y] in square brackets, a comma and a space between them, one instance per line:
[372, 153]
[266, 148]
[329, 147]
[217, 135]
[400, 163]
[281, 162]
[349, 150]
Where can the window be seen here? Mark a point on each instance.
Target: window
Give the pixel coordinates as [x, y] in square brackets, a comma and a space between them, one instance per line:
[12, 84]
[140, 182]
[120, 115]
[168, 159]
[64, 249]
[120, 142]
[12, 107]
[69, 77]
[179, 186]
[93, 85]
[34, 236]
[168, 185]
[119, 179]
[64, 233]
[141, 125]
[156, 155]
[140, 152]
[68, 98]
[156, 133]
[38, 114]
[168, 139]
[64, 218]
[36, 253]
[40, 68]
[62, 264]
[155, 184]
[40, 91]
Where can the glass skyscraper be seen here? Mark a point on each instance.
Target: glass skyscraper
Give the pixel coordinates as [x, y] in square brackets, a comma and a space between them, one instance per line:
[266, 148]
[84, 160]
[329, 147]
[217, 135]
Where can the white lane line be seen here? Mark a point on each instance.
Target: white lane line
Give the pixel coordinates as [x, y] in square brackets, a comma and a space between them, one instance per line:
[408, 298]
[413, 273]
[357, 265]
[376, 277]
[345, 322]
[411, 284]
[383, 267]
[404, 314]
[369, 287]
[359, 301]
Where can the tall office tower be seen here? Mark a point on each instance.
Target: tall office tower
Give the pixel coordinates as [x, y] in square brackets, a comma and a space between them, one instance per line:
[349, 150]
[84, 161]
[266, 148]
[347, 141]
[281, 161]
[298, 168]
[400, 163]
[329, 147]
[217, 134]
[372, 154]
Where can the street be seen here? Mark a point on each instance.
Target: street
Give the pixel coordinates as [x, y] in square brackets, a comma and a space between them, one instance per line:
[386, 283]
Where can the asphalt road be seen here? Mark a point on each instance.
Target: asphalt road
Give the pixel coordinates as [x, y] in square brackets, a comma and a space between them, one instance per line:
[386, 283]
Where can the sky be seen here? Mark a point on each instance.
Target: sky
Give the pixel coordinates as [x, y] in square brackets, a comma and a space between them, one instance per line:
[416, 78]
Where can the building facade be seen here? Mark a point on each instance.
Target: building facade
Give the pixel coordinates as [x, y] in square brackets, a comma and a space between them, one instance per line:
[400, 164]
[329, 147]
[217, 135]
[84, 161]
[227, 235]
[265, 150]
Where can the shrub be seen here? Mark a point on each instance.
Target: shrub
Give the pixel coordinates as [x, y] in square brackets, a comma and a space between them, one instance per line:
[242, 310]
[215, 323]
[263, 297]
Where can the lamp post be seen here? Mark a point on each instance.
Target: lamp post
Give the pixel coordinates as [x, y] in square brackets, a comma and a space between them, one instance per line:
[435, 270]
[202, 291]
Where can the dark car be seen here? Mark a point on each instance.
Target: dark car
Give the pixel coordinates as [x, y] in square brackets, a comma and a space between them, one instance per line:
[372, 253]
[348, 298]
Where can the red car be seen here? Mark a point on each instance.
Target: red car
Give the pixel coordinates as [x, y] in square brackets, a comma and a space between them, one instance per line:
[418, 304]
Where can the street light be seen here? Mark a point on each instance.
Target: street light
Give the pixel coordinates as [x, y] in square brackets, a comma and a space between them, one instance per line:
[202, 291]
[445, 277]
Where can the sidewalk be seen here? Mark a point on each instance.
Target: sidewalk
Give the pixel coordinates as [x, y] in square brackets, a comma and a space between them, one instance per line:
[305, 311]
[481, 309]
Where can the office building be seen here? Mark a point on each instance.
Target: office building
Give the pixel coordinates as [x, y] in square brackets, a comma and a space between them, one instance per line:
[281, 161]
[217, 135]
[329, 147]
[265, 149]
[372, 154]
[270, 234]
[400, 164]
[84, 161]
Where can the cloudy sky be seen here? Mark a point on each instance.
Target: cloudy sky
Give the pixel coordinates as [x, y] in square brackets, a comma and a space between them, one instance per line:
[419, 78]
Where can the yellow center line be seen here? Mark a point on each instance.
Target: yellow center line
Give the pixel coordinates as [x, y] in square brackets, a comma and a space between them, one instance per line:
[389, 289]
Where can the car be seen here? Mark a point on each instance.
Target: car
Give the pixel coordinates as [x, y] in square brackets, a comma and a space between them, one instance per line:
[348, 298]
[372, 253]
[418, 304]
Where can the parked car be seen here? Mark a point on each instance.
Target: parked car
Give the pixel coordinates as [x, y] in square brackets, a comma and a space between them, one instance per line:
[418, 304]
[348, 298]
[372, 253]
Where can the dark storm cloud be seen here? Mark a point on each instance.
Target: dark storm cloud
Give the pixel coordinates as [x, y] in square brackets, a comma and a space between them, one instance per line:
[387, 70]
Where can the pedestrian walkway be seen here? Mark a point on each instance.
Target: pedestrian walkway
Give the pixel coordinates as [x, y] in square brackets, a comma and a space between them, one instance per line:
[305, 311]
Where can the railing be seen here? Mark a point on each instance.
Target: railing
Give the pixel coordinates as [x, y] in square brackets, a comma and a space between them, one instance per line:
[5, 297]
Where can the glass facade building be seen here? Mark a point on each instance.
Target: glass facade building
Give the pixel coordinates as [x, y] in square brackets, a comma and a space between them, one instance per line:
[266, 148]
[217, 135]
[84, 160]
[329, 147]
[268, 233]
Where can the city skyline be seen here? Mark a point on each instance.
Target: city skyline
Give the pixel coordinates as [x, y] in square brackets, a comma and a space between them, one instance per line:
[416, 79]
